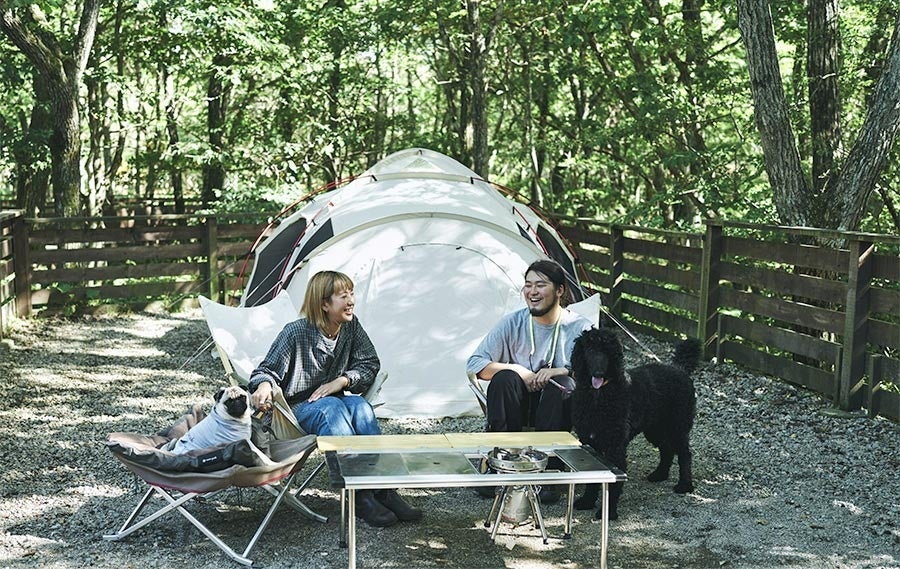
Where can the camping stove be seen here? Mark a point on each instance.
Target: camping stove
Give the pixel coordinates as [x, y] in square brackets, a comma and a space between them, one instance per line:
[515, 504]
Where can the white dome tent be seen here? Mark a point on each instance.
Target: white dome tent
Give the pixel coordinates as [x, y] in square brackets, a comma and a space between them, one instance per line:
[437, 256]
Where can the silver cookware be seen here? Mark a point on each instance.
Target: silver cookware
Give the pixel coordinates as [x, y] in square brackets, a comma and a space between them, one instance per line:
[515, 460]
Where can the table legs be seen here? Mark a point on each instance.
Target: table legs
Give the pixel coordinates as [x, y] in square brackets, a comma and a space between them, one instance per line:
[348, 521]
[343, 535]
[351, 524]
[604, 525]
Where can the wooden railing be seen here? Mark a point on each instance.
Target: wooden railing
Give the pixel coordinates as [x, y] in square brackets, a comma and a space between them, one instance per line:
[75, 264]
[823, 317]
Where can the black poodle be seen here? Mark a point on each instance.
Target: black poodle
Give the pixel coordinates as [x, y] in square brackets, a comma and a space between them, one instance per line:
[612, 405]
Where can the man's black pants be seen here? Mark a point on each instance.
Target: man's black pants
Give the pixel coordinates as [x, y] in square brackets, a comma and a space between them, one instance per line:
[510, 406]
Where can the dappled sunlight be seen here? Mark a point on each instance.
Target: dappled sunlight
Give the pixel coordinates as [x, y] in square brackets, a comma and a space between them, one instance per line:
[114, 351]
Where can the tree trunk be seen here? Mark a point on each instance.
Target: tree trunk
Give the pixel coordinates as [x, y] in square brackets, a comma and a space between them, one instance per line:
[476, 128]
[216, 110]
[62, 73]
[782, 158]
[868, 157]
[846, 187]
[32, 176]
[823, 67]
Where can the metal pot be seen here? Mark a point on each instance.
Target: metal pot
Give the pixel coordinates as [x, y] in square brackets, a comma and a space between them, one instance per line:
[517, 460]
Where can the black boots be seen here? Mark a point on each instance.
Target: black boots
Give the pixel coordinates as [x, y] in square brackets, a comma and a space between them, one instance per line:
[383, 508]
[393, 502]
[372, 511]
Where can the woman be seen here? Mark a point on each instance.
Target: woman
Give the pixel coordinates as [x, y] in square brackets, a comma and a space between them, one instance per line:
[314, 360]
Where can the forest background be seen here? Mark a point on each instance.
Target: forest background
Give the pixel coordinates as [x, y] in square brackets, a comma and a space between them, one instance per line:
[654, 112]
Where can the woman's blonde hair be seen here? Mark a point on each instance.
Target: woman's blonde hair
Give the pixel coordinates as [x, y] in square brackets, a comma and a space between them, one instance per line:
[320, 288]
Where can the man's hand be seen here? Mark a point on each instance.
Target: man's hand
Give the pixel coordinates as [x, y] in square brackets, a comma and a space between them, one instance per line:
[545, 374]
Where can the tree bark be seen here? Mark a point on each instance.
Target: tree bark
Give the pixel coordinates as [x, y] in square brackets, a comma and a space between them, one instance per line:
[62, 74]
[782, 158]
[32, 174]
[479, 44]
[823, 66]
[868, 156]
[846, 186]
[216, 111]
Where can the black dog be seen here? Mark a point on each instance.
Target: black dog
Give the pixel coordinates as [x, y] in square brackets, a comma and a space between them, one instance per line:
[610, 406]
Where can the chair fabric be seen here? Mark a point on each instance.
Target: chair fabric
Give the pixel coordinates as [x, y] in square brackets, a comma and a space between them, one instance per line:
[179, 479]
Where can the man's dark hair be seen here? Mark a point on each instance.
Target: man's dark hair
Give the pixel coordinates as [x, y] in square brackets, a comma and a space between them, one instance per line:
[554, 272]
[551, 269]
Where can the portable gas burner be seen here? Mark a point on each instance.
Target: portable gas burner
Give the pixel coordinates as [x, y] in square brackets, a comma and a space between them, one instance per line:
[515, 504]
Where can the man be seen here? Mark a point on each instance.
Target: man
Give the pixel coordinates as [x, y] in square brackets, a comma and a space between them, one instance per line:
[526, 356]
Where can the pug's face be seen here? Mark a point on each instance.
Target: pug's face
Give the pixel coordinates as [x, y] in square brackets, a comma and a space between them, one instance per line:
[234, 401]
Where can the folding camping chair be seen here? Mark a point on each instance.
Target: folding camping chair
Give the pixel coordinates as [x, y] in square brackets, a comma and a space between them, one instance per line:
[180, 479]
[589, 308]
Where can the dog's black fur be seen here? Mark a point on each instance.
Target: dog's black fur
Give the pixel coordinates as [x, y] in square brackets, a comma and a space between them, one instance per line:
[655, 399]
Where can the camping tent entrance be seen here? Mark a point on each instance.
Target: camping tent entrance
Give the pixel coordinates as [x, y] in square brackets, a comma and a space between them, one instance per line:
[427, 291]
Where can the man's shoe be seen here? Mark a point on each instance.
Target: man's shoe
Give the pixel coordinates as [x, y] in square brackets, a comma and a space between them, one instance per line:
[393, 502]
[486, 491]
[548, 495]
[372, 511]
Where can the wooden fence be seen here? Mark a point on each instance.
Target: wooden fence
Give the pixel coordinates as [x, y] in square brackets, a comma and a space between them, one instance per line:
[826, 318]
[79, 264]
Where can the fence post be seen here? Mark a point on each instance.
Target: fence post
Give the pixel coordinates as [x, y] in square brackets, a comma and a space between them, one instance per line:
[21, 268]
[856, 324]
[616, 258]
[707, 321]
[212, 257]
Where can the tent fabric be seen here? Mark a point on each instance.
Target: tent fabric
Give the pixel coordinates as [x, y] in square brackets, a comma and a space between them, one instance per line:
[437, 256]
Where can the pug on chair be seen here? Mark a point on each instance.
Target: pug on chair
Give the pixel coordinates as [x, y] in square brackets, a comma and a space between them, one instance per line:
[228, 422]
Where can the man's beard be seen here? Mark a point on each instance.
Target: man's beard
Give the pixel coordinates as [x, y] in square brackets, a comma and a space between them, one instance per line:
[538, 311]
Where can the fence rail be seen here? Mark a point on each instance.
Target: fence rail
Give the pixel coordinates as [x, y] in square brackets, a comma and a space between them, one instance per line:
[823, 317]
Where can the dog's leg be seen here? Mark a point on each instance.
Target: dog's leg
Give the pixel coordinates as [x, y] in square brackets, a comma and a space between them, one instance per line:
[615, 491]
[666, 456]
[685, 479]
[619, 458]
[589, 498]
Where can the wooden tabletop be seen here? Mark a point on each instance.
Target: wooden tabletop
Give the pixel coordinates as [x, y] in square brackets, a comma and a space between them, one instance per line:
[447, 441]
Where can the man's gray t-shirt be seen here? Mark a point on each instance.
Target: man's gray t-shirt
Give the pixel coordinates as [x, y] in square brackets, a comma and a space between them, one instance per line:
[510, 342]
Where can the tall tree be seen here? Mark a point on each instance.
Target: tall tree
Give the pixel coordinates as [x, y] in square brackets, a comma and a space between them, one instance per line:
[836, 196]
[60, 66]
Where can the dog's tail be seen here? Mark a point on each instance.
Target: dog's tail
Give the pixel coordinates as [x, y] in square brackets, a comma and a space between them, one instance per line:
[687, 355]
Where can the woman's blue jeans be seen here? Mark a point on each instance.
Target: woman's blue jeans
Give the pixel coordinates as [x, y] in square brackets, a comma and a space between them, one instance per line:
[337, 415]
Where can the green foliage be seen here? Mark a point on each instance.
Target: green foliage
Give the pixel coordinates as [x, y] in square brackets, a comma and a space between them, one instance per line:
[635, 112]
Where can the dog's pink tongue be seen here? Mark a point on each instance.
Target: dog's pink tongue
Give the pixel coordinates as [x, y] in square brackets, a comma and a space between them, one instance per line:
[598, 382]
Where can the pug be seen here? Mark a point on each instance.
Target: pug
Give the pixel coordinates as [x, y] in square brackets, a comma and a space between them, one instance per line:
[228, 422]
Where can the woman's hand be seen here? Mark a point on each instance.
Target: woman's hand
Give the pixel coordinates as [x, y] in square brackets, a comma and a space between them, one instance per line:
[262, 397]
[326, 389]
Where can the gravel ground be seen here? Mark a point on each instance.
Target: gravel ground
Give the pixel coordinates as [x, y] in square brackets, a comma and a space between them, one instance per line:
[780, 482]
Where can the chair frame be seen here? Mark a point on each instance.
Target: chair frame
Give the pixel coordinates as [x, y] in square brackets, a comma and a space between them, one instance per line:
[281, 491]
[179, 493]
